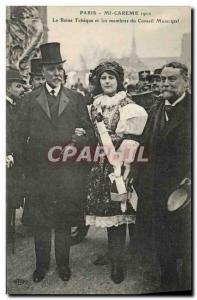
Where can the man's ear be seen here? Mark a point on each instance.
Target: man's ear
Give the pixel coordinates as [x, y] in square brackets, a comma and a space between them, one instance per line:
[8, 85]
[186, 82]
[43, 70]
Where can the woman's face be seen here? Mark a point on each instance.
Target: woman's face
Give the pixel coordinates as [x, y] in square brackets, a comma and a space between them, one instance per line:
[108, 83]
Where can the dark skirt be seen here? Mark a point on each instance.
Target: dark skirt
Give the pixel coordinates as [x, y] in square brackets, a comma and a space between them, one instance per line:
[99, 201]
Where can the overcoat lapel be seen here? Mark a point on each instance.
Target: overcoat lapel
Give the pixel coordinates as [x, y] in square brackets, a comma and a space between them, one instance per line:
[42, 100]
[154, 127]
[64, 100]
[179, 117]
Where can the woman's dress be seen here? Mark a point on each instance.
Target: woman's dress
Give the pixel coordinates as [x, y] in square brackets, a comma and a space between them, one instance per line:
[123, 120]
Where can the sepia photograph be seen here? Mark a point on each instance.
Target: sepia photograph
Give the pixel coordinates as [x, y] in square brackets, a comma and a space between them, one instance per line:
[99, 117]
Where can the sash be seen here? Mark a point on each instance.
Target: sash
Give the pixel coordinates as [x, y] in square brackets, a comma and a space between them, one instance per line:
[116, 159]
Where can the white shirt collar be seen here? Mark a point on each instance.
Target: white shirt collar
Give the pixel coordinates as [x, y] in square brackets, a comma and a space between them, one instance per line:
[49, 89]
[176, 102]
[10, 100]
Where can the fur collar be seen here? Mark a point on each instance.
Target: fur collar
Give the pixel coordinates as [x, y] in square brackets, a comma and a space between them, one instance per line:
[104, 100]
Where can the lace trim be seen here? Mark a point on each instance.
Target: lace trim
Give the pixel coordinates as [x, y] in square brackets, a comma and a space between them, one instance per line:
[110, 221]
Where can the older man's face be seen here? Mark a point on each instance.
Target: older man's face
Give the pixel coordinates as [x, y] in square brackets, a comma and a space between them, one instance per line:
[53, 74]
[173, 84]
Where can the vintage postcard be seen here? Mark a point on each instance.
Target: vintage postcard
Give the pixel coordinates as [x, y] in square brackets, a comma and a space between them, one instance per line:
[98, 150]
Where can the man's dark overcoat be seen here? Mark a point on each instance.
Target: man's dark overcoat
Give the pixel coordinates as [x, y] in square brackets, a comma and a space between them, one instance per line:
[54, 191]
[168, 148]
[14, 181]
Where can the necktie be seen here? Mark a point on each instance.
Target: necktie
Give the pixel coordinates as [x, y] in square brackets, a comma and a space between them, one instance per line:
[53, 102]
[52, 92]
[169, 110]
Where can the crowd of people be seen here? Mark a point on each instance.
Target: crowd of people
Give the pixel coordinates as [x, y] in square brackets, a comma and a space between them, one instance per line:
[152, 193]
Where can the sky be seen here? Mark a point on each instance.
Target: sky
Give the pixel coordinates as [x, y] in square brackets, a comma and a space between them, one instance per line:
[92, 40]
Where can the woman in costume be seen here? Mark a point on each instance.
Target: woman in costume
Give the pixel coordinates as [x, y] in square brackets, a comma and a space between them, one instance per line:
[118, 123]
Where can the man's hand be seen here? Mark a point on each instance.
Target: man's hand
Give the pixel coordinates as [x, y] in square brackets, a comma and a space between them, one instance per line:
[185, 181]
[9, 161]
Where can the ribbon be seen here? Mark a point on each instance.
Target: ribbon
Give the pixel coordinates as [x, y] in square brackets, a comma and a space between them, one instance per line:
[116, 159]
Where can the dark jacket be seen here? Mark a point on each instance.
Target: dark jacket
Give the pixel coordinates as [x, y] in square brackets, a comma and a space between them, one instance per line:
[168, 148]
[53, 190]
[14, 195]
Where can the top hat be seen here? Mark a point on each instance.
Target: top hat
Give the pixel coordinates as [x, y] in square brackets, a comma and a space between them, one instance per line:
[51, 53]
[36, 66]
[181, 197]
[13, 75]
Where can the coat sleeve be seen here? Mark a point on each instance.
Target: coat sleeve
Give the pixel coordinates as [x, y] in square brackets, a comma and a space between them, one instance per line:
[9, 135]
[22, 132]
[89, 139]
[133, 119]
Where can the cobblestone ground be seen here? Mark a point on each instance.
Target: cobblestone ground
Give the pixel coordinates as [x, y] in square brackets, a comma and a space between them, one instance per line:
[86, 279]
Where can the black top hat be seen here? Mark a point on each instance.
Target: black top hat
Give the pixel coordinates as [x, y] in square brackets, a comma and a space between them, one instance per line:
[51, 53]
[36, 66]
[13, 75]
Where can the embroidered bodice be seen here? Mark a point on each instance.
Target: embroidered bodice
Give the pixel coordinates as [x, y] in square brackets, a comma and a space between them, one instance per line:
[109, 108]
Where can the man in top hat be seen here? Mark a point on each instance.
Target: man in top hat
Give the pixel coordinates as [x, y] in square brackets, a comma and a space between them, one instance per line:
[167, 142]
[36, 76]
[14, 92]
[51, 117]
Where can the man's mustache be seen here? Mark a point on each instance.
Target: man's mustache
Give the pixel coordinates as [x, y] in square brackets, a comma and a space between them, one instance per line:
[59, 78]
[167, 90]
